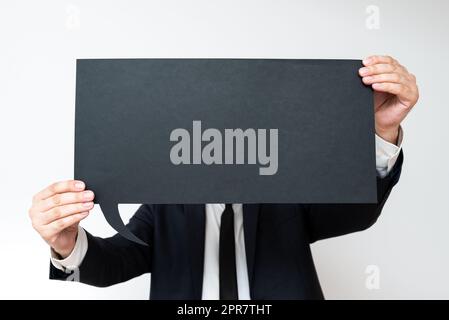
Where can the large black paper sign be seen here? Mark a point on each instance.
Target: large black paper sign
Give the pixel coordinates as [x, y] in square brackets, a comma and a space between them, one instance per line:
[223, 131]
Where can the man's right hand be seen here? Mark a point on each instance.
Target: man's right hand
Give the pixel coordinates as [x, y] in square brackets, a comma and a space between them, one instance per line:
[56, 212]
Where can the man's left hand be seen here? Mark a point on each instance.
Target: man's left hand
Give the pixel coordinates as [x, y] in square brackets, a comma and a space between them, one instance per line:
[395, 93]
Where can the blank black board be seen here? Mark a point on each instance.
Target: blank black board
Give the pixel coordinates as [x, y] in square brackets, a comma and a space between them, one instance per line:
[126, 110]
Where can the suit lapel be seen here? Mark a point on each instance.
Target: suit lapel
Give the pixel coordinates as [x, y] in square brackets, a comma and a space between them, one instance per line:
[250, 218]
[195, 217]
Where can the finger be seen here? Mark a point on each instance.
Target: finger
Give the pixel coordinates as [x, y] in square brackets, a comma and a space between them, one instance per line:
[400, 90]
[377, 69]
[57, 226]
[386, 77]
[65, 211]
[372, 60]
[61, 199]
[59, 187]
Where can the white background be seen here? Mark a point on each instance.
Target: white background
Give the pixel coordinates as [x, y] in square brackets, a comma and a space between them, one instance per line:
[40, 40]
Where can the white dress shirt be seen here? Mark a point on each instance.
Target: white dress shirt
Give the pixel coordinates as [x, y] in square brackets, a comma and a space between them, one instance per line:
[386, 156]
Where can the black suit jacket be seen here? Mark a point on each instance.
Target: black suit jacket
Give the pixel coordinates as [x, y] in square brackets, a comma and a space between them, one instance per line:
[277, 240]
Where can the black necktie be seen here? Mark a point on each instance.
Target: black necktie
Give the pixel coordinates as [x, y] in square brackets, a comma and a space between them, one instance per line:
[228, 274]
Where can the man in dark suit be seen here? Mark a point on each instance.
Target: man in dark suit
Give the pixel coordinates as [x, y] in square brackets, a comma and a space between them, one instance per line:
[226, 251]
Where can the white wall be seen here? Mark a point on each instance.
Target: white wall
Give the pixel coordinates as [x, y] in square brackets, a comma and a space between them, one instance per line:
[40, 41]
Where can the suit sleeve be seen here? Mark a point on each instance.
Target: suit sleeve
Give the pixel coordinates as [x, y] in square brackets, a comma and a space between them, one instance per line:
[332, 220]
[113, 260]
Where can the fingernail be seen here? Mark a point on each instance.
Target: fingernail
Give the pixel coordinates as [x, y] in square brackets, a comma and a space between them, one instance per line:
[88, 195]
[367, 61]
[88, 204]
[366, 79]
[84, 213]
[364, 71]
[79, 185]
